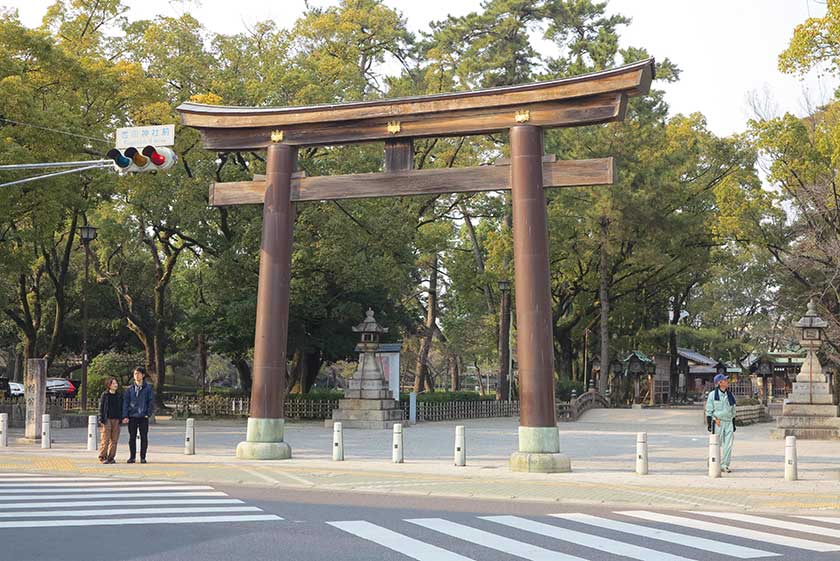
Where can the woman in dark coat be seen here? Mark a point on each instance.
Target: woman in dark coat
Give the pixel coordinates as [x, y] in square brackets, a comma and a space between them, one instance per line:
[110, 415]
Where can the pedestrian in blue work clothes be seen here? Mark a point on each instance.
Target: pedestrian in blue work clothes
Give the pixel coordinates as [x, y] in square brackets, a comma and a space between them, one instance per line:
[138, 406]
[720, 418]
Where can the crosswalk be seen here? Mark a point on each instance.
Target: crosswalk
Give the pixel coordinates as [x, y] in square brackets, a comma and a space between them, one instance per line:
[41, 501]
[628, 534]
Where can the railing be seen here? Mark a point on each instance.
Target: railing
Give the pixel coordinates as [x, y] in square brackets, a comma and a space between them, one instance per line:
[568, 411]
[456, 410]
[222, 406]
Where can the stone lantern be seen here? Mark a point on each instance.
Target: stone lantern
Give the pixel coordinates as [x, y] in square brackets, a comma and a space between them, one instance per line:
[367, 403]
[809, 411]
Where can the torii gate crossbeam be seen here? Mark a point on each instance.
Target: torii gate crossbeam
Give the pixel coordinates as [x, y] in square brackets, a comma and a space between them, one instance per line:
[523, 110]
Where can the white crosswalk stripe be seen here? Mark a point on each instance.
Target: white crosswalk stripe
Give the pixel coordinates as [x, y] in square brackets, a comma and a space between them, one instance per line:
[687, 540]
[826, 519]
[492, 541]
[586, 540]
[397, 542]
[644, 543]
[37, 501]
[780, 524]
[727, 529]
[136, 487]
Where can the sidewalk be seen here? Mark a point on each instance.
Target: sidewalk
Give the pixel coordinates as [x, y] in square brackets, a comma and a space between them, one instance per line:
[602, 448]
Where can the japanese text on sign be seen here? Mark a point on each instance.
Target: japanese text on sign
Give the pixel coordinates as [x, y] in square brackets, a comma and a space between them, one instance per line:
[158, 135]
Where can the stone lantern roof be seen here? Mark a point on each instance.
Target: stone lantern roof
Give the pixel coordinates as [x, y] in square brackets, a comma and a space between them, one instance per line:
[811, 319]
[369, 325]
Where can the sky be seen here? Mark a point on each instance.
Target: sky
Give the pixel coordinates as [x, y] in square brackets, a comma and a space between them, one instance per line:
[727, 49]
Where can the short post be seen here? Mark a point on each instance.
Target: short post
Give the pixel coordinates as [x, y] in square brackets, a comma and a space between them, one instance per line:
[397, 452]
[46, 442]
[4, 430]
[338, 443]
[412, 408]
[714, 455]
[91, 440]
[460, 446]
[189, 438]
[641, 453]
[791, 467]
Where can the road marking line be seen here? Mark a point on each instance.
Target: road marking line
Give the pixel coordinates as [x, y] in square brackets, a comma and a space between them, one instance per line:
[135, 487]
[127, 511]
[712, 546]
[135, 521]
[112, 496]
[492, 541]
[397, 542]
[6, 480]
[74, 482]
[827, 519]
[586, 540]
[75, 504]
[781, 524]
[729, 530]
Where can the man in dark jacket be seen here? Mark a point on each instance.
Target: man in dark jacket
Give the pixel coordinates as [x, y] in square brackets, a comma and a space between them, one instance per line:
[138, 405]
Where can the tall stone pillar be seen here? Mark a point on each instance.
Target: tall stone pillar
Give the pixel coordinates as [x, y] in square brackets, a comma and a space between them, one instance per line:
[264, 440]
[34, 391]
[539, 439]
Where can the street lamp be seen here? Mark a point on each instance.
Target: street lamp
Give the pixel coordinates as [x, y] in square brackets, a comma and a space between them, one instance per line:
[503, 381]
[87, 233]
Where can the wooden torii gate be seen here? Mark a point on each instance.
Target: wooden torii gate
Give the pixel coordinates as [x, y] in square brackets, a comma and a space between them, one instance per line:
[523, 110]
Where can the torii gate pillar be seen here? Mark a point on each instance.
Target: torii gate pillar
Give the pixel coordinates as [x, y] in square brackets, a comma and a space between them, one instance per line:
[539, 439]
[264, 440]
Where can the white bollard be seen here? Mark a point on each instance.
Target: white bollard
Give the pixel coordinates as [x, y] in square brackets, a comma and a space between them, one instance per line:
[460, 446]
[4, 430]
[791, 464]
[641, 453]
[189, 438]
[714, 455]
[45, 431]
[338, 442]
[91, 441]
[397, 452]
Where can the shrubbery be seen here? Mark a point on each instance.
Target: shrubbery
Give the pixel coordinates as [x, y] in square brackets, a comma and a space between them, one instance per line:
[563, 389]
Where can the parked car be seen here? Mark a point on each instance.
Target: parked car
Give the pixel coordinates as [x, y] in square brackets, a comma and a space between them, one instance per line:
[16, 389]
[5, 390]
[59, 387]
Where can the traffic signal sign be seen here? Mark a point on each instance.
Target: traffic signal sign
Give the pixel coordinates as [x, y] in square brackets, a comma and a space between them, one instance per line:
[150, 158]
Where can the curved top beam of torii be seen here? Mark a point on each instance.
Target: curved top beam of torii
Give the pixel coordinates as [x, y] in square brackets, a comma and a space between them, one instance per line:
[580, 100]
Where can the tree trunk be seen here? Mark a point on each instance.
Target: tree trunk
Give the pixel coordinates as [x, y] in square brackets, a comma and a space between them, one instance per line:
[479, 259]
[244, 371]
[421, 376]
[504, 348]
[604, 298]
[312, 361]
[454, 373]
[202, 360]
[563, 353]
[18, 374]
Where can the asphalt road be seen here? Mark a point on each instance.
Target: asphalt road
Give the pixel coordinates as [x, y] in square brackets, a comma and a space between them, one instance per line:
[51, 517]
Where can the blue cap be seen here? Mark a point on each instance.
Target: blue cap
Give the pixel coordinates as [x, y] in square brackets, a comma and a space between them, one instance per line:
[720, 378]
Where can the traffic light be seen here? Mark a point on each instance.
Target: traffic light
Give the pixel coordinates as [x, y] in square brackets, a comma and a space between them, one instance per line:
[150, 158]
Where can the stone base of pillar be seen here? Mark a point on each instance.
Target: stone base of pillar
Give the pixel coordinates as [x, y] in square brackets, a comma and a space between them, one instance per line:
[264, 441]
[539, 452]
